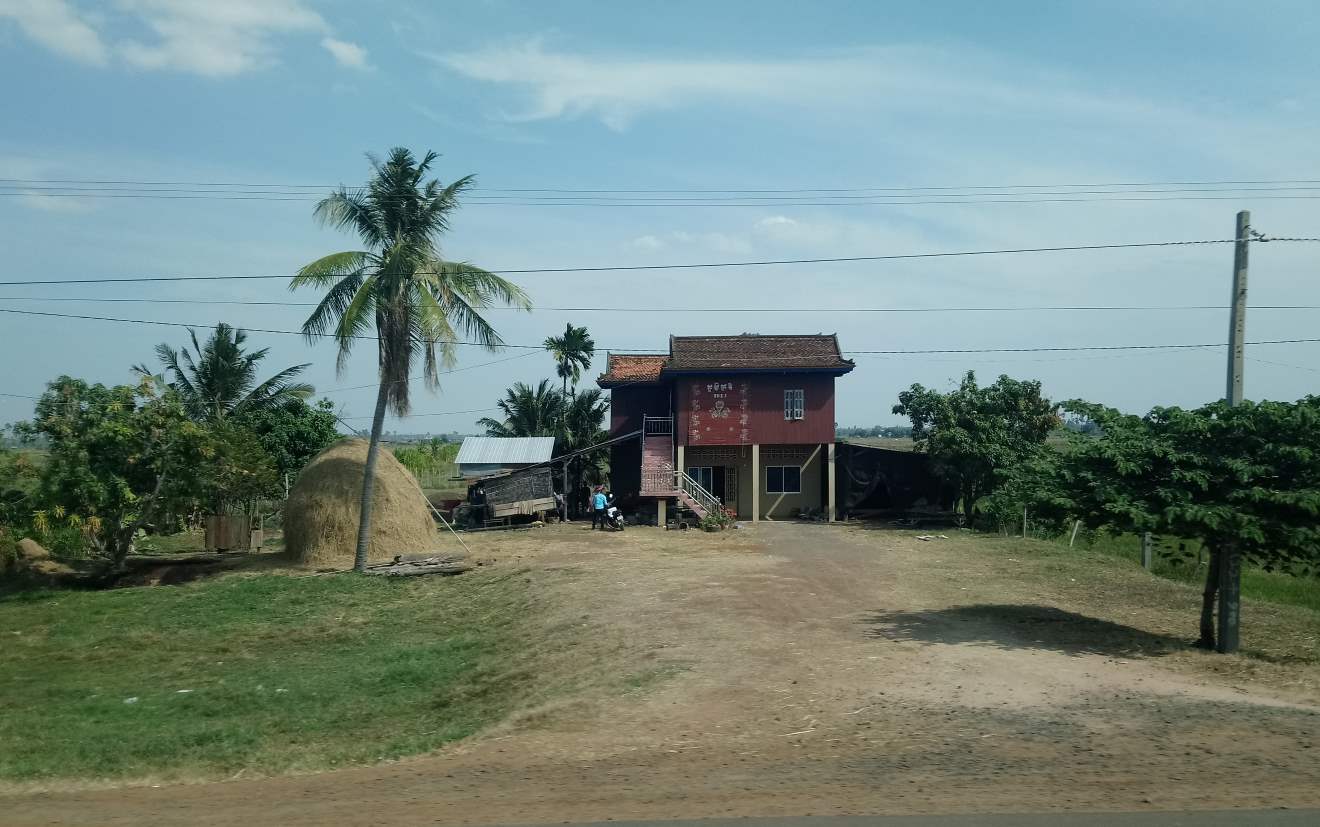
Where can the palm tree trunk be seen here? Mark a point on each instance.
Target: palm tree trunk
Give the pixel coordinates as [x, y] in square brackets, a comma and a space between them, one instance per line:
[369, 479]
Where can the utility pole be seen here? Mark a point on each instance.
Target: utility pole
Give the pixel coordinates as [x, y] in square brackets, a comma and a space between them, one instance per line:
[1230, 565]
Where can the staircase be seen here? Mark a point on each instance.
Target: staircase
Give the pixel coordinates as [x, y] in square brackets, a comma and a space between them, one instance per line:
[660, 478]
[658, 457]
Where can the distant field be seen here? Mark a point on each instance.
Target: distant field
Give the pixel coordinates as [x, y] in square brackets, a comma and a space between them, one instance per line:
[433, 465]
[893, 443]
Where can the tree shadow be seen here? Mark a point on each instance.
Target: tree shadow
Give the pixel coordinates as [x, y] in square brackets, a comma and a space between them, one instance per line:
[1021, 626]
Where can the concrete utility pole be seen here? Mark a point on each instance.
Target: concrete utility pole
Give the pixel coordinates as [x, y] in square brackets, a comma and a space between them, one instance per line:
[1237, 324]
[1230, 562]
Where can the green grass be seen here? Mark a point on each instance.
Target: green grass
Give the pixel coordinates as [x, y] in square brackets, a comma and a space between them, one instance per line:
[1257, 584]
[282, 673]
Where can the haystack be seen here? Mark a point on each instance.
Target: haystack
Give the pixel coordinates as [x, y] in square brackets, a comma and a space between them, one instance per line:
[321, 515]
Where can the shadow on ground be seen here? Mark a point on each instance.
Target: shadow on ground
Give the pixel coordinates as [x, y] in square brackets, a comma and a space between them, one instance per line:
[1021, 626]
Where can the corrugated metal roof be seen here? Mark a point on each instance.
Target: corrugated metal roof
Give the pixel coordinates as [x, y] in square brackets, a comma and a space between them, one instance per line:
[495, 450]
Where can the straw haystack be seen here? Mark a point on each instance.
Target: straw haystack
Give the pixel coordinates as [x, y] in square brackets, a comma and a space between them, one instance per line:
[321, 515]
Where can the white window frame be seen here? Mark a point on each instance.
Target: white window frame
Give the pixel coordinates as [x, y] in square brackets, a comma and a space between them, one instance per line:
[781, 468]
[795, 404]
[697, 477]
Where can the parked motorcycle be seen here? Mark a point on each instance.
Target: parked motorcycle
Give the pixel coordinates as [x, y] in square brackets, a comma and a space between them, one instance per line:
[614, 517]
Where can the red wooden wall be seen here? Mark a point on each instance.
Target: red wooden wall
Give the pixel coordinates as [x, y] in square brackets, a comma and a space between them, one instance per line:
[751, 409]
[630, 403]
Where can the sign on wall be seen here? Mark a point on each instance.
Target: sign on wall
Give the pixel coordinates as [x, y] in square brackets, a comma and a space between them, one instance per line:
[719, 413]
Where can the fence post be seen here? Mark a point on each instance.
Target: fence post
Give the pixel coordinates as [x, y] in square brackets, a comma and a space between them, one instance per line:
[1073, 538]
[1147, 551]
[1024, 522]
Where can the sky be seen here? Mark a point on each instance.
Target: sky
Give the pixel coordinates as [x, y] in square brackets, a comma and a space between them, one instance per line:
[684, 97]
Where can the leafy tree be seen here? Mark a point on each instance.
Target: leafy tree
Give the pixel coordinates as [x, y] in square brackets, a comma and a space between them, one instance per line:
[573, 352]
[219, 378]
[416, 302]
[973, 434]
[236, 472]
[292, 432]
[116, 454]
[1245, 480]
[527, 411]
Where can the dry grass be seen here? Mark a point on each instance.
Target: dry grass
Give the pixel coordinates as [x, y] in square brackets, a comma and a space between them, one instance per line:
[1280, 643]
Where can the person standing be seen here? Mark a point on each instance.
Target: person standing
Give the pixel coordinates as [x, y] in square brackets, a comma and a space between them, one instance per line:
[598, 501]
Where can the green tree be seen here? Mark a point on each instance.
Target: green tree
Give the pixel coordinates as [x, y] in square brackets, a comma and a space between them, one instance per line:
[237, 472]
[116, 454]
[1244, 480]
[220, 378]
[973, 434]
[527, 411]
[573, 352]
[417, 303]
[292, 432]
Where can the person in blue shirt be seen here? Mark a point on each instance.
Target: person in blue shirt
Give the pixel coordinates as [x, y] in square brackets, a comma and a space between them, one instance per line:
[598, 503]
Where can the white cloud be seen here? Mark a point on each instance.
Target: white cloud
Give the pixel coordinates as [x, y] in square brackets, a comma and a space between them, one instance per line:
[347, 54]
[618, 89]
[216, 39]
[57, 25]
[213, 38]
[647, 242]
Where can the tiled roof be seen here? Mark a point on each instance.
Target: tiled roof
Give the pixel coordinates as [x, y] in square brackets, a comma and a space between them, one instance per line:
[752, 351]
[632, 369]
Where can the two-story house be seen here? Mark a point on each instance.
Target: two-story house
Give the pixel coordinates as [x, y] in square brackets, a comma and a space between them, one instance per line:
[741, 422]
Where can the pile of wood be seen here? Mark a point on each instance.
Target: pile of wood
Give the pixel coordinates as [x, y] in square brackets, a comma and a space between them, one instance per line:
[413, 565]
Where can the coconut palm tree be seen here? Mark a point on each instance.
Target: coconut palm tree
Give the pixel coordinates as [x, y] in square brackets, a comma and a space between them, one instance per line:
[572, 352]
[527, 411]
[219, 379]
[418, 304]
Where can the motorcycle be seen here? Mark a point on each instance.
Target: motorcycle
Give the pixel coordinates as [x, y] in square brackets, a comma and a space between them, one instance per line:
[614, 517]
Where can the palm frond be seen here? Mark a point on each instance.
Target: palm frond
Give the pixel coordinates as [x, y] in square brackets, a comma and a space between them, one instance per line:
[325, 270]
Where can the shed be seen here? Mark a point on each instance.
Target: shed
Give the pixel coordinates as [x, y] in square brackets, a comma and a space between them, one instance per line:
[484, 456]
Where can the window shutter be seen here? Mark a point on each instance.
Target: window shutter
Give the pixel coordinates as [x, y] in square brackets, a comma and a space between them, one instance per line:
[788, 404]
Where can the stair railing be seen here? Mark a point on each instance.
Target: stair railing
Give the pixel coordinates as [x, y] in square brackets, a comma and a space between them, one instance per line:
[708, 502]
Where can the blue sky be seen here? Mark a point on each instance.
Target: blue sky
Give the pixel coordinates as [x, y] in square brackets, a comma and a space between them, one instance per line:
[679, 96]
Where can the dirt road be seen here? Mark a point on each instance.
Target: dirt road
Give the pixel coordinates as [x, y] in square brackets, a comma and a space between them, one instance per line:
[812, 670]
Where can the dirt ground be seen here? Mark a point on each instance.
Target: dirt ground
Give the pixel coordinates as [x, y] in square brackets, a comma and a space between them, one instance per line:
[815, 670]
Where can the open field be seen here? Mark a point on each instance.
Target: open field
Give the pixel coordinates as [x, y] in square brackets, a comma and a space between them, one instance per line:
[780, 669]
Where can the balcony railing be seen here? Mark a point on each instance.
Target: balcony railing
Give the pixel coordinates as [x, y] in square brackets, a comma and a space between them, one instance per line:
[657, 426]
[658, 481]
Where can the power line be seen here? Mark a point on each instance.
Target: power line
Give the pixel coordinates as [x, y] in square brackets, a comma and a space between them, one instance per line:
[1282, 364]
[940, 188]
[1051, 349]
[652, 204]
[697, 265]
[97, 191]
[959, 309]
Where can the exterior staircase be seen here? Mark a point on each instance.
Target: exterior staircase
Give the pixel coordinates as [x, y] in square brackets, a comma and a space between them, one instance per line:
[659, 477]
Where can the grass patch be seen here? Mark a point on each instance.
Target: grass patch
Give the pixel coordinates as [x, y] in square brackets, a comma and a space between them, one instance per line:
[1257, 584]
[1104, 585]
[266, 674]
